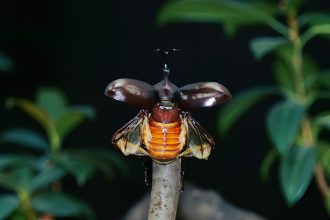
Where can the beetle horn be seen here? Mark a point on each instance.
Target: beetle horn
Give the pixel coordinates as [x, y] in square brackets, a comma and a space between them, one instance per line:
[165, 55]
[166, 71]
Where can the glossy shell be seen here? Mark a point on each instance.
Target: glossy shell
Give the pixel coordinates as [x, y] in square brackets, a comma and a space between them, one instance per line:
[133, 92]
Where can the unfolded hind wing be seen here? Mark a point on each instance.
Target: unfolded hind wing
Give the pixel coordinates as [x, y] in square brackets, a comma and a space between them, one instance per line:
[199, 142]
[129, 138]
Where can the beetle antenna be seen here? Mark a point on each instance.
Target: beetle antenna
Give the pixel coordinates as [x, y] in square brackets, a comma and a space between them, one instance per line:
[165, 55]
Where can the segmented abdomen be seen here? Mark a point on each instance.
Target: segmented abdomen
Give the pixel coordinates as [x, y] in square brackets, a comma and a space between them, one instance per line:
[165, 140]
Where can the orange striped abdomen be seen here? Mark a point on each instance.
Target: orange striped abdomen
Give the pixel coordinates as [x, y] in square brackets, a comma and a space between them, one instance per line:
[164, 141]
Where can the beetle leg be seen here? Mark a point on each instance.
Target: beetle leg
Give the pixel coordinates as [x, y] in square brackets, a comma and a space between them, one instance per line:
[186, 153]
[146, 164]
[183, 168]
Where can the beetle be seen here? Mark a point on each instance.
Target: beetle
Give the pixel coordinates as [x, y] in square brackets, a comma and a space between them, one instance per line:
[164, 128]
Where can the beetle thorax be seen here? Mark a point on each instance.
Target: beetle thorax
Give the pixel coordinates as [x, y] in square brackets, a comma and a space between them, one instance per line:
[165, 113]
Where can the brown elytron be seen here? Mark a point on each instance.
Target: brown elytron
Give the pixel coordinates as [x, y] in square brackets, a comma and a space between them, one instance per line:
[164, 134]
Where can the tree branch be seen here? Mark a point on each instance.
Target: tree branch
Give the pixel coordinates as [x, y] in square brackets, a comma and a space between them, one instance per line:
[166, 187]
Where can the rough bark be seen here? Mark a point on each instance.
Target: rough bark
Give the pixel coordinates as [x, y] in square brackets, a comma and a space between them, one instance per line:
[166, 187]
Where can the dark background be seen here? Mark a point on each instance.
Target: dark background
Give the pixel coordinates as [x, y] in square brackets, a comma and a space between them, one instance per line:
[80, 46]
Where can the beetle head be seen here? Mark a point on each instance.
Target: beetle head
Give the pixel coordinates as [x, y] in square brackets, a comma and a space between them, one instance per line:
[168, 93]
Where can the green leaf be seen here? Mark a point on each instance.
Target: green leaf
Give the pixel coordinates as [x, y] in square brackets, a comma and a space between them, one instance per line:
[72, 118]
[285, 53]
[102, 159]
[6, 63]
[324, 155]
[283, 122]
[283, 71]
[318, 81]
[68, 121]
[263, 45]
[87, 110]
[31, 109]
[8, 183]
[294, 4]
[311, 74]
[24, 137]
[315, 18]
[81, 170]
[114, 159]
[320, 29]
[282, 75]
[314, 96]
[22, 177]
[45, 178]
[282, 67]
[40, 116]
[323, 120]
[15, 160]
[296, 172]
[310, 67]
[267, 163]
[18, 215]
[52, 101]
[240, 104]
[61, 205]
[231, 13]
[16, 179]
[8, 204]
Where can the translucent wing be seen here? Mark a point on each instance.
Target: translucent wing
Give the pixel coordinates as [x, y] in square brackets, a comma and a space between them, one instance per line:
[199, 142]
[133, 92]
[203, 94]
[128, 138]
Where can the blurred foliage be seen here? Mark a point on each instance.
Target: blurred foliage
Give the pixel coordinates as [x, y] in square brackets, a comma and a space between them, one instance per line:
[296, 133]
[32, 179]
[6, 63]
